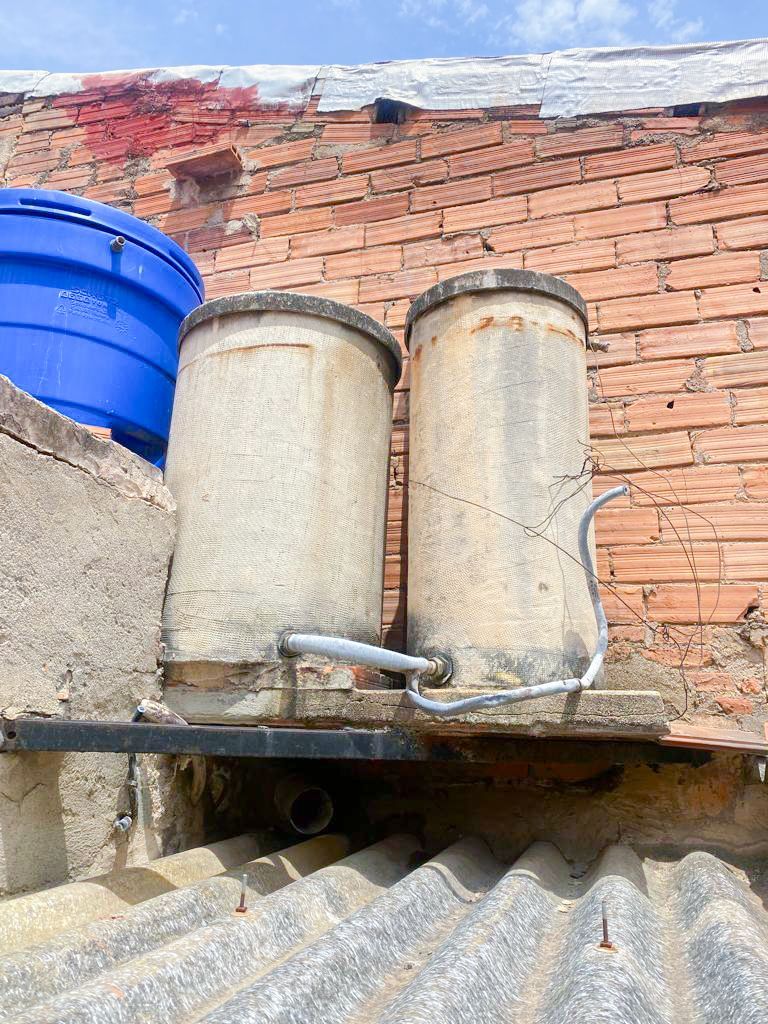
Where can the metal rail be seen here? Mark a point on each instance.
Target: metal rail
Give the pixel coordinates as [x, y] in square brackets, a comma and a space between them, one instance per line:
[60, 735]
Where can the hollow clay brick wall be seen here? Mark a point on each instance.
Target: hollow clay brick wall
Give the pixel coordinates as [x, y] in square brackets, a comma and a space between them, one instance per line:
[659, 221]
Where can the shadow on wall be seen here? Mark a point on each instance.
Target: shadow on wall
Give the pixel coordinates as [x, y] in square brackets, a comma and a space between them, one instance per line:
[33, 844]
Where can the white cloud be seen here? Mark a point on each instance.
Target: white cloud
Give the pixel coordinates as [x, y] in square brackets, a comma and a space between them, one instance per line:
[538, 24]
[664, 17]
[445, 15]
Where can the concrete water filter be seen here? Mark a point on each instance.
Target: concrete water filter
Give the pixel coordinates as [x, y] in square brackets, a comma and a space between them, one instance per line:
[278, 461]
[497, 482]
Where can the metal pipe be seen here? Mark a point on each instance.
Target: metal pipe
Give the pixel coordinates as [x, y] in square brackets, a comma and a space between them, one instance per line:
[303, 806]
[438, 667]
[361, 654]
[460, 707]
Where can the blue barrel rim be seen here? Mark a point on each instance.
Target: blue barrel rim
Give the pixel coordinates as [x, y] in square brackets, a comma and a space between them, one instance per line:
[50, 203]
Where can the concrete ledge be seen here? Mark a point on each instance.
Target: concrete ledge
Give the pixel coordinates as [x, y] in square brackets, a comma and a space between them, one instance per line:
[638, 714]
[36, 425]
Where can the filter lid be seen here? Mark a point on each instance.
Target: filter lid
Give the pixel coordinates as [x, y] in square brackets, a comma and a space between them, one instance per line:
[295, 302]
[495, 280]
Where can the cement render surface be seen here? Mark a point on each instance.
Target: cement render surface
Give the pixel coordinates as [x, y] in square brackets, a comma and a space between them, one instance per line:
[87, 531]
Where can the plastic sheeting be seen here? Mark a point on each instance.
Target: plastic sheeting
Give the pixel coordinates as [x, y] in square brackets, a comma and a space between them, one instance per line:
[567, 83]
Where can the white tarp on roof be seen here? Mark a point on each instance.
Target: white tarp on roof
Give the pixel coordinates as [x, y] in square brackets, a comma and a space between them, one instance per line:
[438, 83]
[566, 83]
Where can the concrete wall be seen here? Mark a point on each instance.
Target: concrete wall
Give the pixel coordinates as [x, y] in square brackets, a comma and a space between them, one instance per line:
[657, 219]
[86, 533]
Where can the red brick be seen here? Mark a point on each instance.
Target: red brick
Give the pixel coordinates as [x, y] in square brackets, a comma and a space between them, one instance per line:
[537, 176]
[723, 204]
[396, 313]
[668, 244]
[609, 284]
[338, 191]
[623, 221]
[644, 378]
[404, 229]
[532, 235]
[380, 156]
[252, 254]
[301, 174]
[649, 311]
[687, 486]
[684, 603]
[751, 406]
[629, 161]
[432, 253]
[266, 202]
[588, 140]
[733, 444]
[743, 521]
[151, 184]
[661, 563]
[621, 349]
[397, 179]
[453, 193]
[606, 419]
[381, 260]
[597, 255]
[751, 233]
[181, 220]
[643, 452]
[340, 291]
[406, 284]
[370, 210]
[742, 171]
[227, 284]
[756, 481]
[482, 215]
[572, 199]
[71, 178]
[721, 269]
[47, 120]
[354, 134]
[113, 192]
[627, 526]
[748, 561]
[736, 705]
[735, 300]
[288, 275]
[663, 184]
[494, 158]
[296, 223]
[320, 244]
[461, 140]
[623, 604]
[689, 340]
[505, 262]
[288, 153]
[705, 409]
[726, 144]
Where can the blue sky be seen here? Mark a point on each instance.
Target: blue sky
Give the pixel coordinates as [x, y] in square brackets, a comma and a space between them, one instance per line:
[94, 35]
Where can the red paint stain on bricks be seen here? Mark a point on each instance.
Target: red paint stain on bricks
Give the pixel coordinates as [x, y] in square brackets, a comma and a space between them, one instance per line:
[149, 116]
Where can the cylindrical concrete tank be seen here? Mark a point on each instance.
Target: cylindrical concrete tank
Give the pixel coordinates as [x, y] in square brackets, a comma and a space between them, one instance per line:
[499, 433]
[278, 460]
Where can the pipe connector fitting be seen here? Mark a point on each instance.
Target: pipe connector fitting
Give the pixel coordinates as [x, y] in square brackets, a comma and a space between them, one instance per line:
[117, 244]
[440, 671]
[283, 646]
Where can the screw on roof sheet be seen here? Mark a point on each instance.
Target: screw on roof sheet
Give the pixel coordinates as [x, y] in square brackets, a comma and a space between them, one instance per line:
[241, 907]
[606, 943]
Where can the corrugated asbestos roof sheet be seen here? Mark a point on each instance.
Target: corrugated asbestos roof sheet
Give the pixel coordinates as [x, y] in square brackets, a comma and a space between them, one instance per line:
[565, 83]
[380, 936]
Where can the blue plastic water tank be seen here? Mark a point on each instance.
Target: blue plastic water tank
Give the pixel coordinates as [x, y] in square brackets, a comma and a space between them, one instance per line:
[89, 322]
